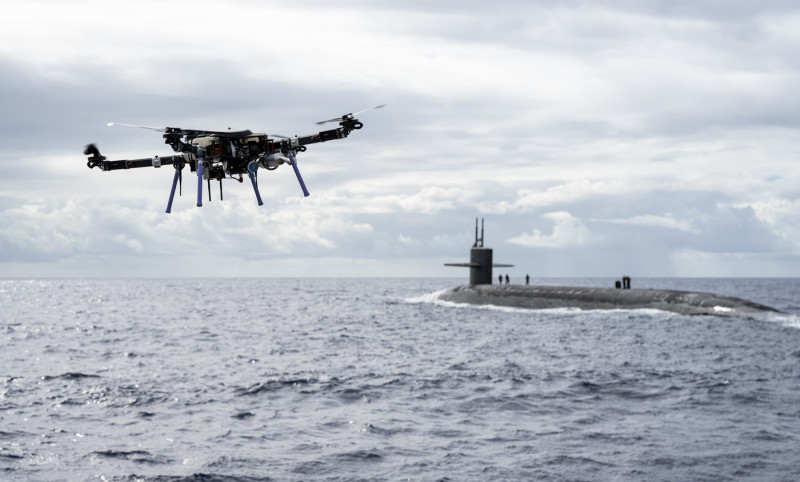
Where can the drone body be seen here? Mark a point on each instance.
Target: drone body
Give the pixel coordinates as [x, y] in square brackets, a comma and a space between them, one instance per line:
[226, 154]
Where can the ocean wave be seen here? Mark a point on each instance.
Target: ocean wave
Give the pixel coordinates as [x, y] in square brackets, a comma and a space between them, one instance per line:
[376, 382]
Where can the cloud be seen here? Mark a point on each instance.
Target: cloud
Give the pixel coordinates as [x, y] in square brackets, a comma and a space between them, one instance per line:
[782, 216]
[666, 221]
[568, 231]
[40, 233]
[696, 263]
[613, 131]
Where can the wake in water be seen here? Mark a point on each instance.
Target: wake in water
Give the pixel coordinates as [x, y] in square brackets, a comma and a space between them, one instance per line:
[433, 299]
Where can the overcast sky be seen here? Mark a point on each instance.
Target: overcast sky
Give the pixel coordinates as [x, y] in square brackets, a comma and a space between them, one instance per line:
[647, 138]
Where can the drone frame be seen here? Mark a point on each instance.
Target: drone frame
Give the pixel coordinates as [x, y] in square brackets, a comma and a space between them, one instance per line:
[221, 154]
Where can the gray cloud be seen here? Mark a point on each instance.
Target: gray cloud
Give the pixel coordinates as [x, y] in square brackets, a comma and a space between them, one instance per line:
[595, 137]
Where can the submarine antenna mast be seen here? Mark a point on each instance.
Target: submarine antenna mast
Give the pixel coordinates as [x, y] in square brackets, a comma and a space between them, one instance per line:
[478, 240]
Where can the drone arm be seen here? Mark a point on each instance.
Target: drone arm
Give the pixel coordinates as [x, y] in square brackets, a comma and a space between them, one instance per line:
[290, 146]
[324, 136]
[105, 165]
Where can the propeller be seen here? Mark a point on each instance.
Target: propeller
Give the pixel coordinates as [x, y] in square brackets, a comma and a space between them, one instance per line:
[96, 159]
[158, 129]
[188, 132]
[91, 150]
[350, 116]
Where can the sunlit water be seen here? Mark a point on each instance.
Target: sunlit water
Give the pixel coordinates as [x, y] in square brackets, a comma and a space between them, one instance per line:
[342, 379]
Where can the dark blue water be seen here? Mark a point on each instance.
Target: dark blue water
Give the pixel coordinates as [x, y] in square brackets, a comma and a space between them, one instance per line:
[341, 379]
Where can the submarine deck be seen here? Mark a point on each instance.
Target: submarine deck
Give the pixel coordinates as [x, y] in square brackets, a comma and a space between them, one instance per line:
[544, 297]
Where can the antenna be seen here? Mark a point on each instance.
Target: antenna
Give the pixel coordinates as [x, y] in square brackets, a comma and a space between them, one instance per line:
[478, 240]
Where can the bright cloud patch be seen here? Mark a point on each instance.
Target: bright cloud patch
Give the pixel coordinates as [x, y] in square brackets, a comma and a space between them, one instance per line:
[568, 231]
[666, 221]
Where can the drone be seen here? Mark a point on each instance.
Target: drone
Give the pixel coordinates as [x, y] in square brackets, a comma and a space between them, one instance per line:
[228, 154]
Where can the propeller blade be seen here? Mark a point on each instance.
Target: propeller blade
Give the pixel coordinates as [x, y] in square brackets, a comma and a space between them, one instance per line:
[190, 132]
[158, 129]
[335, 119]
[371, 108]
[350, 116]
[222, 134]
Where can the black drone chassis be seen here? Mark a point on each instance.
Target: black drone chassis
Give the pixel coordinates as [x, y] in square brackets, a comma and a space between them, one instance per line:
[225, 154]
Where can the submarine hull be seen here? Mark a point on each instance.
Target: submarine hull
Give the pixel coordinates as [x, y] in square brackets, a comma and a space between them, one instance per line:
[544, 297]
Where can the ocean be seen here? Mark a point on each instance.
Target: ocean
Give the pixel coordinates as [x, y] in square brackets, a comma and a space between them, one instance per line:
[376, 380]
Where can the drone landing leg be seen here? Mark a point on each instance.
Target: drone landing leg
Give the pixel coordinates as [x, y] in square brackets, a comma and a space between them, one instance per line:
[199, 183]
[255, 187]
[297, 173]
[252, 168]
[172, 191]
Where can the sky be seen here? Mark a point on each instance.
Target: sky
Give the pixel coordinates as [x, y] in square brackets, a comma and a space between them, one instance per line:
[595, 138]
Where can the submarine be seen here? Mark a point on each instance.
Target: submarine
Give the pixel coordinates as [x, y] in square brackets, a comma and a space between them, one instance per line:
[482, 291]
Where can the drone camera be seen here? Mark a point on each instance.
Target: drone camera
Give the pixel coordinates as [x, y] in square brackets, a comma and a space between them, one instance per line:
[252, 148]
[216, 171]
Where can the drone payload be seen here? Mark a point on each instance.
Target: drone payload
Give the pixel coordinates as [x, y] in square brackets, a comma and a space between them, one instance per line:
[225, 154]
